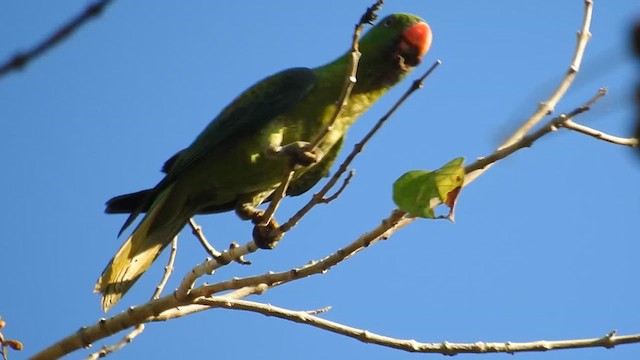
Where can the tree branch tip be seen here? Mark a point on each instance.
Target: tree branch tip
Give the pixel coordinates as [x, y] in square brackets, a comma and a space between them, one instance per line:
[370, 14]
[319, 311]
[426, 74]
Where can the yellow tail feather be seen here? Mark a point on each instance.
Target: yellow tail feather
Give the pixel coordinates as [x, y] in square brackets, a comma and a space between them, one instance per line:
[137, 253]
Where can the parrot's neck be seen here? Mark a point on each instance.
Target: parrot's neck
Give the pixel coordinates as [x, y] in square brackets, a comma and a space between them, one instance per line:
[375, 76]
[374, 79]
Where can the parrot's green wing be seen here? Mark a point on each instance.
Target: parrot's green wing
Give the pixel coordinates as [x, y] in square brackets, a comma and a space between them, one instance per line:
[248, 113]
[125, 204]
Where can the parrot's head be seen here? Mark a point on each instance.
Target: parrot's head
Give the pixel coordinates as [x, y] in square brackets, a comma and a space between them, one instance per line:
[395, 45]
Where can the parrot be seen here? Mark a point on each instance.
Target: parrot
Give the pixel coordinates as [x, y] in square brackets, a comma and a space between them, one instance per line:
[239, 159]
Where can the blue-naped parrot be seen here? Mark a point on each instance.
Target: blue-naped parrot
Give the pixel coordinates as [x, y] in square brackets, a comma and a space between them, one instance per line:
[234, 162]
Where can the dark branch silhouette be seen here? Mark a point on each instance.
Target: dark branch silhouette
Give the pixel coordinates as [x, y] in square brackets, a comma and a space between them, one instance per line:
[21, 59]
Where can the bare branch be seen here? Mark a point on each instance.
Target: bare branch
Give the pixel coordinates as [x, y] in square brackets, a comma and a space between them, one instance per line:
[191, 308]
[528, 140]
[548, 106]
[20, 60]
[387, 227]
[197, 231]
[569, 124]
[173, 304]
[210, 265]
[127, 339]
[319, 311]
[446, 348]
[168, 270]
[277, 197]
[347, 180]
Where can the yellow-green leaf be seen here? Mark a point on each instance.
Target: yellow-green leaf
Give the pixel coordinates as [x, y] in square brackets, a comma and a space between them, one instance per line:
[415, 191]
[449, 180]
[418, 192]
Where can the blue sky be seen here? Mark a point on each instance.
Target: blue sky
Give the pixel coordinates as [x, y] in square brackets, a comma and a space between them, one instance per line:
[543, 246]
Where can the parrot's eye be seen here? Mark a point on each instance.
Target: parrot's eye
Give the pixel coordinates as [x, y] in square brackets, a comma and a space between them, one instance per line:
[388, 22]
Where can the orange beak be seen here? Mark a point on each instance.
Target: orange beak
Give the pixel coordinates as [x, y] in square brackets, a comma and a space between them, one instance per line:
[419, 36]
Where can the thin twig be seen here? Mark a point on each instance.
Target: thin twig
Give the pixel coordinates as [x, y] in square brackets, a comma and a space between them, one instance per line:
[608, 341]
[197, 231]
[215, 254]
[347, 180]
[20, 60]
[319, 311]
[317, 198]
[528, 140]
[168, 270]
[106, 350]
[547, 107]
[632, 142]
[350, 80]
[192, 308]
[234, 253]
[277, 197]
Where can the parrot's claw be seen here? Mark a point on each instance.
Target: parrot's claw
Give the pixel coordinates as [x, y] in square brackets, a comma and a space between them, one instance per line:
[300, 153]
[246, 211]
[267, 236]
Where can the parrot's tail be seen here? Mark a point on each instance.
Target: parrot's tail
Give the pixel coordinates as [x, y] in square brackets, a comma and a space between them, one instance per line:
[128, 203]
[156, 230]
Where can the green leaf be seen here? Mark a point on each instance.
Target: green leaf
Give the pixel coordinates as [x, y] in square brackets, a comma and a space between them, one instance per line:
[418, 192]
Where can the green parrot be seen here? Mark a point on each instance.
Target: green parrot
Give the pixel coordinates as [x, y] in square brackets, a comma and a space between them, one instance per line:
[239, 159]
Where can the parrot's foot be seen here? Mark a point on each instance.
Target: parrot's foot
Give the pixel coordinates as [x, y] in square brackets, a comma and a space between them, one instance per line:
[247, 211]
[300, 153]
[267, 236]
